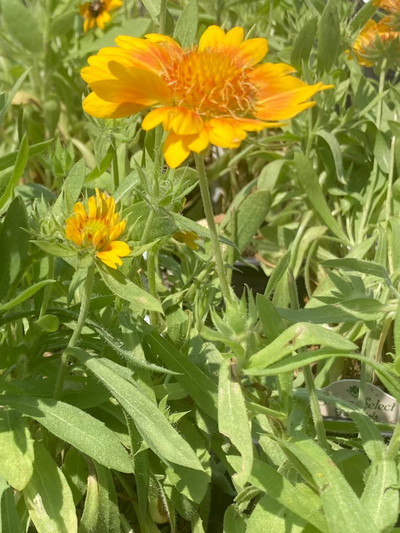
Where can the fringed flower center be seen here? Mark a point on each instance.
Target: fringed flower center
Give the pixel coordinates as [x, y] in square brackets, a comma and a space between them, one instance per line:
[211, 83]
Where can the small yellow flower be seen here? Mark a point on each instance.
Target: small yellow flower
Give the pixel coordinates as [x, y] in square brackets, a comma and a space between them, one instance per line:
[213, 93]
[98, 229]
[98, 12]
[188, 238]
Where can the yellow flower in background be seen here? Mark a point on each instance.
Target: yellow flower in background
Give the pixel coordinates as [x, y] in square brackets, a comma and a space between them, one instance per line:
[98, 228]
[212, 93]
[188, 238]
[97, 13]
[377, 41]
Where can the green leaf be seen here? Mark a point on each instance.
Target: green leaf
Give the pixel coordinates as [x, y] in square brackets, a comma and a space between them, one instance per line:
[304, 43]
[233, 521]
[27, 293]
[335, 148]
[363, 16]
[277, 273]
[295, 337]
[48, 496]
[186, 27]
[153, 7]
[19, 167]
[328, 37]
[249, 217]
[198, 385]
[284, 492]
[16, 446]
[11, 95]
[380, 496]
[22, 26]
[62, 24]
[271, 322]
[73, 425]
[366, 267]
[269, 515]
[269, 175]
[309, 181]
[71, 188]
[8, 160]
[100, 514]
[55, 248]
[125, 289]
[75, 469]
[9, 519]
[342, 508]
[141, 469]
[153, 426]
[14, 244]
[233, 421]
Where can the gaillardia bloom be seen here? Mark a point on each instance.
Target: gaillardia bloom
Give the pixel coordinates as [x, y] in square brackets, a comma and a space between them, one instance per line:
[212, 93]
[97, 12]
[187, 237]
[377, 41]
[97, 229]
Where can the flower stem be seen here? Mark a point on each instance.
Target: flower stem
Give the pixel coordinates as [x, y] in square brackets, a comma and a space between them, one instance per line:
[375, 170]
[163, 17]
[151, 279]
[394, 444]
[205, 194]
[315, 409]
[85, 303]
[48, 289]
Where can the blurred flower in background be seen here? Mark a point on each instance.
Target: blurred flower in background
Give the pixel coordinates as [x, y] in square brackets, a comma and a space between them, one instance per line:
[97, 13]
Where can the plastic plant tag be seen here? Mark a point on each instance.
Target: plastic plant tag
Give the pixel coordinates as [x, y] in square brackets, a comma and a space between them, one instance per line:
[379, 406]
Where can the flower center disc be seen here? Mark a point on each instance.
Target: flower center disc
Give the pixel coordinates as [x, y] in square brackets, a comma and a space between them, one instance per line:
[211, 83]
[96, 8]
[96, 232]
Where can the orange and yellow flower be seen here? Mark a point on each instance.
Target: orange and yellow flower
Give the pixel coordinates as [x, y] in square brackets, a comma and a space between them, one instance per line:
[393, 6]
[212, 93]
[377, 41]
[97, 229]
[97, 12]
[187, 237]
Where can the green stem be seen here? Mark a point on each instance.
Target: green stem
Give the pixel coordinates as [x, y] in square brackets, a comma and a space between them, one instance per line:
[390, 182]
[85, 303]
[48, 289]
[151, 279]
[115, 170]
[163, 17]
[394, 444]
[205, 194]
[231, 249]
[308, 376]
[375, 170]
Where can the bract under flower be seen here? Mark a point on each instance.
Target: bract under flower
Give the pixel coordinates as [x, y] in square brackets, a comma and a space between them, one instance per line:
[97, 12]
[211, 93]
[377, 41]
[97, 229]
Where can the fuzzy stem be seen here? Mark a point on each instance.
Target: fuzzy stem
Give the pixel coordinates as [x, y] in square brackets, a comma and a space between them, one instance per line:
[390, 183]
[83, 312]
[48, 289]
[163, 17]
[394, 444]
[151, 279]
[205, 194]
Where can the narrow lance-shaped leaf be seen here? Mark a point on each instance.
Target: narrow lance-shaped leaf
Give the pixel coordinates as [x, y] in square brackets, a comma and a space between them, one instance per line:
[9, 519]
[24, 295]
[73, 425]
[48, 496]
[19, 167]
[153, 426]
[342, 508]
[232, 417]
[295, 337]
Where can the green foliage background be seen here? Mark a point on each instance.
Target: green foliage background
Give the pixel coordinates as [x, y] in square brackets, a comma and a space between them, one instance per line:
[207, 420]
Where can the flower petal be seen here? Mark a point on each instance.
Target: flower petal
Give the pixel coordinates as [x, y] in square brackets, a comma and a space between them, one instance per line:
[225, 133]
[185, 121]
[253, 51]
[176, 148]
[213, 37]
[96, 107]
[285, 105]
[111, 253]
[200, 143]
[164, 40]
[156, 117]
[234, 36]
